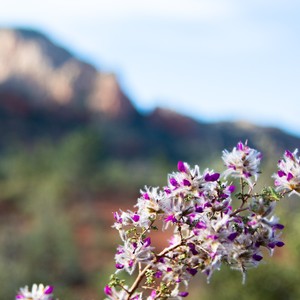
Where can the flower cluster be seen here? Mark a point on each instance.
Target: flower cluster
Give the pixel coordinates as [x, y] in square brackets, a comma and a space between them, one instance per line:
[287, 178]
[38, 292]
[213, 223]
[242, 162]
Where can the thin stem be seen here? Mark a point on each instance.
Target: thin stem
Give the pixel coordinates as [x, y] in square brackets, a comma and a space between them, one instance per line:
[238, 211]
[242, 191]
[124, 288]
[143, 272]
[245, 197]
[138, 281]
[148, 228]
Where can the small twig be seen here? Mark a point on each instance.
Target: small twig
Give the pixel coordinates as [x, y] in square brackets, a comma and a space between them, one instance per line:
[238, 211]
[242, 192]
[143, 272]
[124, 288]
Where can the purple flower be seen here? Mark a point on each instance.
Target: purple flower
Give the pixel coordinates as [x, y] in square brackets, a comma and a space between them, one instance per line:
[231, 188]
[119, 266]
[201, 225]
[131, 263]
[186, 182]
[257, 257]
[147, 242]
[170, 218]
[108, 290]
[146, 196]
[272, 245]
[232, 236]
[289, 154]
[181, 167]
[48, 290]
[158, 274]
[212, 236]
[192, 271]
[279, 244]
[183, 294]
[153, 294]
[289, 177]
[278, 226]
[240, 146]
[281, 173]
[198, 209]
[167, 190]
[117, 217]
[212, 177]
[193, 248]
[247, 174]
[135, 217]
[173, 182]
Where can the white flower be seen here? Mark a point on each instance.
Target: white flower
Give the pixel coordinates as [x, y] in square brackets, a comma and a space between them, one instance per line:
[150, 204]
[132, 253]
[38, 292]
[242, 162]
[288, 176]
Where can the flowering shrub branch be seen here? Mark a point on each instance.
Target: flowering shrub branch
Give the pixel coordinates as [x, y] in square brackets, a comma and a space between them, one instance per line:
[207, 230]
[213, 222]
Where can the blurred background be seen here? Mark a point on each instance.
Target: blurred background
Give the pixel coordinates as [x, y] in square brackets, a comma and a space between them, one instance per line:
[100, 98]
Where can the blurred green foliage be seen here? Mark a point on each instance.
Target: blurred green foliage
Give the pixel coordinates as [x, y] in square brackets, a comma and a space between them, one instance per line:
[38, 186]
[40, 236]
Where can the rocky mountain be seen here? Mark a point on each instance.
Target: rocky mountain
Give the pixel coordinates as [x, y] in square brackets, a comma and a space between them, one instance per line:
[37, 73]
[46, 91]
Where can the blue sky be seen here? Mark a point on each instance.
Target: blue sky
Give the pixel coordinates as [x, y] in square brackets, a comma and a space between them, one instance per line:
[210, 59]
